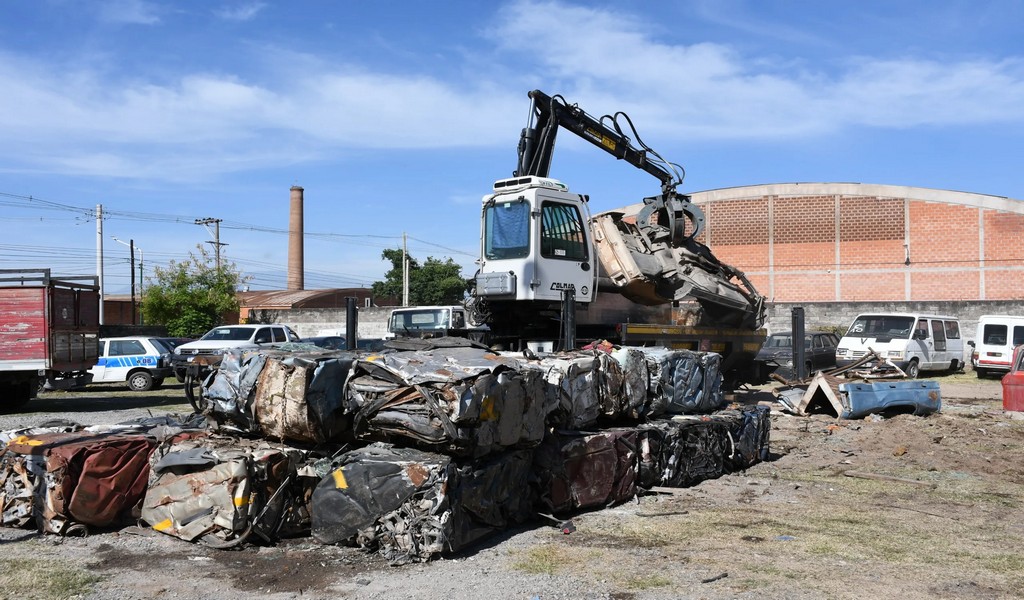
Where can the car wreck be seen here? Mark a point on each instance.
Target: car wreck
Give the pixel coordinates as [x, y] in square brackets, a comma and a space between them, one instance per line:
[414, 454]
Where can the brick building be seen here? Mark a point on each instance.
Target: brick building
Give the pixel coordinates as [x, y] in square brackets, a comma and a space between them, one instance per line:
[850, 242]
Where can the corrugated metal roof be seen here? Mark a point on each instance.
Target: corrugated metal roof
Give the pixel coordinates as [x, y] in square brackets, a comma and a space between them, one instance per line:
[284, 299]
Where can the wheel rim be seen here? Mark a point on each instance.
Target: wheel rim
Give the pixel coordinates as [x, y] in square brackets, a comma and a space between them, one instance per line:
[139, 382]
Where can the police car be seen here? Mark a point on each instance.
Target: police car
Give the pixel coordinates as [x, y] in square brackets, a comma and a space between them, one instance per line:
[141, 362]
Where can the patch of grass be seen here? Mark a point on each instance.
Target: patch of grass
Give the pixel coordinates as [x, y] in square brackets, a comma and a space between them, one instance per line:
[546, 559]
[1005, 564]
[646, 582]
[43, 580]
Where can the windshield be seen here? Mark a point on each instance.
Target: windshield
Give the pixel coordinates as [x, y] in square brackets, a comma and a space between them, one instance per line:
[161, 345]
[507, 230]
[233, 334]
[882, 326]
[780, 340]
[418, 319]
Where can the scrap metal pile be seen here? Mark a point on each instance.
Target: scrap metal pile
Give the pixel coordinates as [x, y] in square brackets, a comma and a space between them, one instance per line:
[884, 390]
[411, 453]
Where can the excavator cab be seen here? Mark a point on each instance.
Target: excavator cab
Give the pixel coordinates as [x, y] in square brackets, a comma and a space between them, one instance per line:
[535, 243]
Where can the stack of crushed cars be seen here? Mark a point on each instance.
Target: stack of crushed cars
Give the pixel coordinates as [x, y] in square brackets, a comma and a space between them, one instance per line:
[413, 453]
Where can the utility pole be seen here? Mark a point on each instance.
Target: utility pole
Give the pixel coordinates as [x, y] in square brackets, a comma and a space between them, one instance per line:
[405, 270]
[131, 255]
[131, 269]
[99, 254]
[141, 288]
[216, 236]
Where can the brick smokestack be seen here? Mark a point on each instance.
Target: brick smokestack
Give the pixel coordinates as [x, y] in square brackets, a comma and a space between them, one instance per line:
[296, 265]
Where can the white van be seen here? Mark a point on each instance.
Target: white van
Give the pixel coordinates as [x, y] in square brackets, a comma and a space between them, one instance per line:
[993, 346]
[913, 342]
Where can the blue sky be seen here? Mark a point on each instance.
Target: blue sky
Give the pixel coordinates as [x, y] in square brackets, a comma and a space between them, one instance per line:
[396, 117]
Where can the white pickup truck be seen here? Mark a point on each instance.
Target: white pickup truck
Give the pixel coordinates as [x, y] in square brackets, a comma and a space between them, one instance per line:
[228, 337]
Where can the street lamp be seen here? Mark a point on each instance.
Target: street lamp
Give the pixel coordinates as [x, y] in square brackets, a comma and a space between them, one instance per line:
[131, 248]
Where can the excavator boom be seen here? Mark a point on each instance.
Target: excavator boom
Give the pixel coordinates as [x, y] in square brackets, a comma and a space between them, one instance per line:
[645, 252]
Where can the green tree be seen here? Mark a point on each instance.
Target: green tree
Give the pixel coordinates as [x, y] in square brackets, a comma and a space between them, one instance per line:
[191, 297]
[434, 282]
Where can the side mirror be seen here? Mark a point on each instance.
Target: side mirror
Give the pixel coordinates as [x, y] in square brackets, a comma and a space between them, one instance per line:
[970, 343]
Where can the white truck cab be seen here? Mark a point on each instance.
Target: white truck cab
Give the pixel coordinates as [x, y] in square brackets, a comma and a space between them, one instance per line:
[431, 321]
[536, 242]
[913, 342]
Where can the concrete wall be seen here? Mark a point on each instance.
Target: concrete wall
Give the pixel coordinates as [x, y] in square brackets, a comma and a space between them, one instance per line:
[371, 322]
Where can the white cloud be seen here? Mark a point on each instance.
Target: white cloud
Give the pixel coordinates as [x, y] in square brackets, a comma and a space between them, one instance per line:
[200, 123]
[241, 12]
[610, 61]
[131, 12]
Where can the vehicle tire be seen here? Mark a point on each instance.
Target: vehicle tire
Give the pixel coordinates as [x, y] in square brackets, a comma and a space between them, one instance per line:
[981, 373]
[808, 369]
[140, 381]
[912, 370]
[157, 383]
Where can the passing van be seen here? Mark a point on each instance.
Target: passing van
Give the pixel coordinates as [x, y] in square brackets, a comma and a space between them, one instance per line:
[996, 337]
[913, 342]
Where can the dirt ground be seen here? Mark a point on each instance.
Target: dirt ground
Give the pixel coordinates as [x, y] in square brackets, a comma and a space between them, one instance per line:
[920, 507]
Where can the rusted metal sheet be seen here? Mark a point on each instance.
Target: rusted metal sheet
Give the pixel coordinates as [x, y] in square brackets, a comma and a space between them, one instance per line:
[95, 482]
[23, 327]
[47, 323]
[223, 491]
[301, 399]
[463, 401]
[412, 505]
[74, 478]
[586, 470]
[296, 397]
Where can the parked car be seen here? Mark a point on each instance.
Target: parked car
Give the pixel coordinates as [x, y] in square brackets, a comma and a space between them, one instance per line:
[139, 361]
[228, 337]
[174, 342]
[1013, 382]
[327, 342]
[777, 353]
[337, 342]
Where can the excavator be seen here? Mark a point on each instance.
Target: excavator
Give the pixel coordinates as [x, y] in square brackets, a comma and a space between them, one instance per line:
[550, 274]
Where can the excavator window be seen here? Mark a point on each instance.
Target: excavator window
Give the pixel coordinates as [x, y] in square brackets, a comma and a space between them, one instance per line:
[507, 230]
[561, 232]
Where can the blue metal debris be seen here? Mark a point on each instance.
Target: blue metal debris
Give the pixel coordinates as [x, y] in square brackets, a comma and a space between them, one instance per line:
[911, 396]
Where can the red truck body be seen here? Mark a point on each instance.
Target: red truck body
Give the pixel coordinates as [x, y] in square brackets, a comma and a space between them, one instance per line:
[49, 329]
